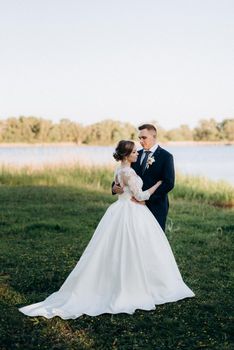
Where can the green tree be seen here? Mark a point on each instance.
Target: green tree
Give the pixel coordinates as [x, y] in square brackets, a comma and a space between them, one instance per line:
[44, 128]
[183, 133]
[207, 130]
[29, 128]
[54, 133]
[11, 131]
[77, 132]
[227, 129]
[109, 132]
[2, 130]
[33, 129]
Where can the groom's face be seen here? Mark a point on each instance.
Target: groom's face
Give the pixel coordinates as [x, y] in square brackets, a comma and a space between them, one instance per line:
[147, 138]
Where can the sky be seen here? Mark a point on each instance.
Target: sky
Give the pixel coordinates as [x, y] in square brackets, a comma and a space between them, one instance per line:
[135, 61]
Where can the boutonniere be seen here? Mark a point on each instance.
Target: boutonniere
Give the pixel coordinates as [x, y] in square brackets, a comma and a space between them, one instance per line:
[150, 161]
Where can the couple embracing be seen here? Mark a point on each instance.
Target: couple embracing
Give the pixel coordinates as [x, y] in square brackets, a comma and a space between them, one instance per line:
[154, 164]
[128, 263]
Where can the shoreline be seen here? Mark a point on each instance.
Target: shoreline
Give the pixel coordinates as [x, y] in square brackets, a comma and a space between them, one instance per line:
[72, 144]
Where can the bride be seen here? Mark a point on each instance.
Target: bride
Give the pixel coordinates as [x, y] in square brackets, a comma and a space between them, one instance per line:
[128, 263]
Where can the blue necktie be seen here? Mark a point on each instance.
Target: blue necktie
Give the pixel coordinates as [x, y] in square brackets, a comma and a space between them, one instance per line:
[143, 164]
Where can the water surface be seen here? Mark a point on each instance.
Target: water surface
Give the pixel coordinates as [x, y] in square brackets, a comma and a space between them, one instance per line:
[213, 161]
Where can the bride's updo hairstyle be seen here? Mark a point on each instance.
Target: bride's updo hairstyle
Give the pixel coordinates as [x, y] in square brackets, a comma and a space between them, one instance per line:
[123, 149]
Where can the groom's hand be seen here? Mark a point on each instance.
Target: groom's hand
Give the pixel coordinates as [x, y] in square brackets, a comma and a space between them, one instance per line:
[117, 189]
[136, 201]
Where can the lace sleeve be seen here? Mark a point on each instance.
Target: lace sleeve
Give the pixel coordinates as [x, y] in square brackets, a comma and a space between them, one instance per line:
[131, 180]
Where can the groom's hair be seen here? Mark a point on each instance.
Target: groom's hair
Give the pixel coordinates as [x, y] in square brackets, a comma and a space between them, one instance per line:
[149, 127]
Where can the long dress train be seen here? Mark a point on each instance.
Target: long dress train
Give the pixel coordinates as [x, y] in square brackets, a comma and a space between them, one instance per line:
[127, 265]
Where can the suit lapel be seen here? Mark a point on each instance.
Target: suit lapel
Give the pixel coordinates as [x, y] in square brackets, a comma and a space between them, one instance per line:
[137, 165]
[157, 151]
[154, 155]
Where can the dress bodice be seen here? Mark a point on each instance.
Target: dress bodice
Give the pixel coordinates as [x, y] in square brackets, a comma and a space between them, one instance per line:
[131, 183]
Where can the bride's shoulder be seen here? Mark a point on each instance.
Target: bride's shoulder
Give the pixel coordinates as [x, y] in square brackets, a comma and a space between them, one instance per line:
[125, 170]
[132, 171]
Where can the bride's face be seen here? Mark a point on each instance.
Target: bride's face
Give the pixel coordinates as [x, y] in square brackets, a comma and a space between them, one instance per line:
[132, 158]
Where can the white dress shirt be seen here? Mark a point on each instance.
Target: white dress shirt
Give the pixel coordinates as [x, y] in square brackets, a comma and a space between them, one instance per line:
[152, 150]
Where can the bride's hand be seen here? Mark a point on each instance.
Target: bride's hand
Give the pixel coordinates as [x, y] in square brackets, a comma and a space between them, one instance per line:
[136, 201]
[158, 183]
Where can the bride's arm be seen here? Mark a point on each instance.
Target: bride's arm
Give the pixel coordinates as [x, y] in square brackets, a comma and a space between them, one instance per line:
[154, 187]
[131, 180]
[143, 202]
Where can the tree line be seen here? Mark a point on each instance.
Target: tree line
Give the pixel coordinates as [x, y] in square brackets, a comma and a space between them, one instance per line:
[106, 132]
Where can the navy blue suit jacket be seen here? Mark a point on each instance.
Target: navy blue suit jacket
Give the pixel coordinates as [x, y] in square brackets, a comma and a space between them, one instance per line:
[161, 169]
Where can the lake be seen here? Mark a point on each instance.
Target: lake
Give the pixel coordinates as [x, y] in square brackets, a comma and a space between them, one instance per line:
[212, 161]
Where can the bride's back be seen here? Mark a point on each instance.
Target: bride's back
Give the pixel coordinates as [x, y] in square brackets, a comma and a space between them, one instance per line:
[129, 180]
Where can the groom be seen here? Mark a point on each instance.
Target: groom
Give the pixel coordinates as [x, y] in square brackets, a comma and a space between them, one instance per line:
[153, 164]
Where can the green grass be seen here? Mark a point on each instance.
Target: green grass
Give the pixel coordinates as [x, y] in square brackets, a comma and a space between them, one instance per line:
[218, 193]
[47, 219]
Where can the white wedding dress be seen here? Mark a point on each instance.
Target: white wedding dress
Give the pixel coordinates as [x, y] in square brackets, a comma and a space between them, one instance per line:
[127, 265]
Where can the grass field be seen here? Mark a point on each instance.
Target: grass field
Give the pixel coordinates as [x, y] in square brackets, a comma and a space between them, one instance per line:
[47, 219]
